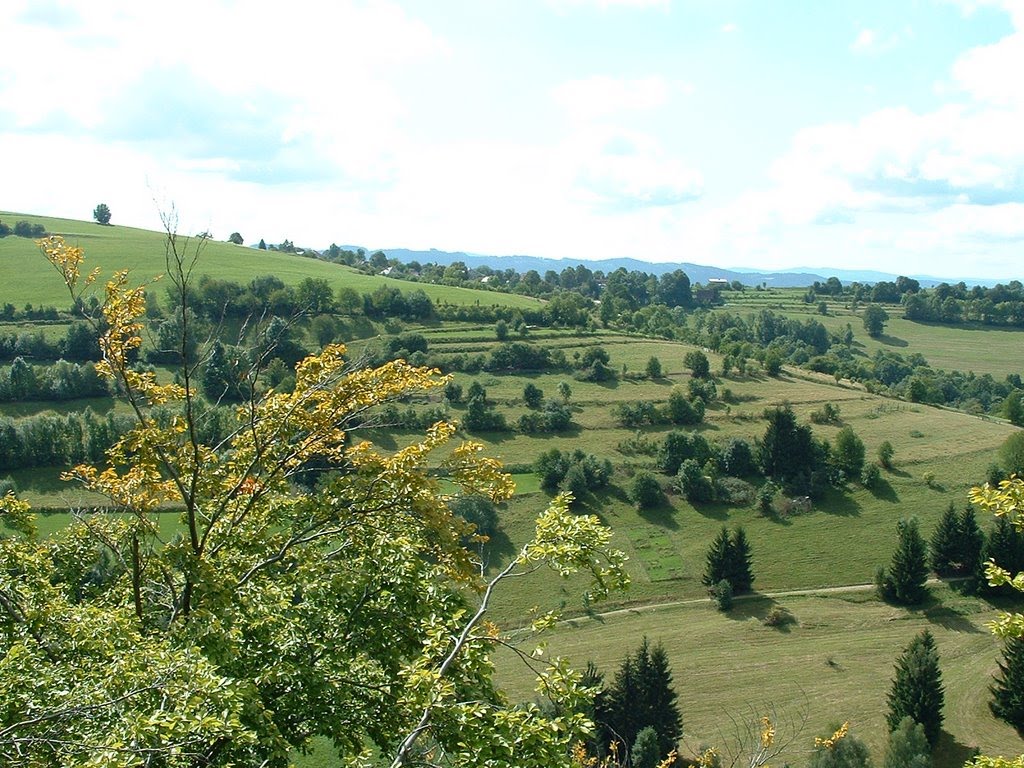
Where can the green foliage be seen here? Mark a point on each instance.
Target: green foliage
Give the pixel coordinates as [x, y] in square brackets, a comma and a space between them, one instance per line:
[1011, 454]
[722, 594]
[885, 454]
[846, 751]
[1005, 546]
[101, 213]
[236, 238]
[479, 511]
[644, 753]
[641, 696]
[694, 484]
[533, 395]
[728, 558]
[957, 544]
[871, 476]
[698, 364]
[875, 319]
[787, 449]
[905, 582]
[653, 368]
[645, 491]
[703, 390]
[501, 330]
[1008, 686]
[681, 410]
[827, 414]
[848, 455]
[917, 690]
[908, 746]
[678, 446]
[736, 458]
[278, 615]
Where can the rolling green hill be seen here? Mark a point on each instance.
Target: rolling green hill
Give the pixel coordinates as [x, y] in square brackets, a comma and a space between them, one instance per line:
[26, 277]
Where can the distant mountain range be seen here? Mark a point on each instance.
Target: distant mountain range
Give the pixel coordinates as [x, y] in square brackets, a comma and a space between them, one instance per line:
[698, 273]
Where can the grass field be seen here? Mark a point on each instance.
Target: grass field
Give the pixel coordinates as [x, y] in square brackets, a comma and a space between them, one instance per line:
[948, 347]
[834, 664]
[26, 277]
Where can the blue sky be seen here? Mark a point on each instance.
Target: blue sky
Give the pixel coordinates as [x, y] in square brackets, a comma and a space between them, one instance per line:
[875, 135]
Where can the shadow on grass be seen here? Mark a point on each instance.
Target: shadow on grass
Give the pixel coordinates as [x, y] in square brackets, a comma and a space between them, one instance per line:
[892, 341]
[950, 753]
[764, 609]
[838, 503]
[498, 549]
[884, 491]
[898, 473]
[948, 618]
[662, 515]
[712, 510]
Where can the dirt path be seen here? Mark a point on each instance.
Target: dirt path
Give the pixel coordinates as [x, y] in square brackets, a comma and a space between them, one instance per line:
[650, 607]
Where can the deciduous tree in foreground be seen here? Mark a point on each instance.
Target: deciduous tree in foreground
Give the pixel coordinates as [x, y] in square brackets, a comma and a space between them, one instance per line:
[274, 615]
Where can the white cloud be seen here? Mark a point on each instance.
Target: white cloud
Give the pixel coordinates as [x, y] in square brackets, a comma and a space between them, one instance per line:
[605, 4]
[729, 27]
[870, 41]
[599, 96]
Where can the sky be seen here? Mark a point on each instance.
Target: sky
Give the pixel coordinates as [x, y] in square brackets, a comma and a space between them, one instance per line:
[882, 135]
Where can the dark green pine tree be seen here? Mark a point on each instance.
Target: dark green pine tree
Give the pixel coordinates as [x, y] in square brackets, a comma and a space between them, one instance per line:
[945, 543]
[1005, 545]
[640, 696]
[972, 543]
[718, 561]
[1008, 687]
[741, 569]
[908, 572]
[917, 690]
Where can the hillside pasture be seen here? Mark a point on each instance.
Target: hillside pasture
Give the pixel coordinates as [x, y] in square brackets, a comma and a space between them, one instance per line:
[834, 663]
[28, 278]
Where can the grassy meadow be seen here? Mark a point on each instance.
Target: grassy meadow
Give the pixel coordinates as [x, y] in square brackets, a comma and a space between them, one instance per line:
[967, 347]
[834, 663]
[26, 277]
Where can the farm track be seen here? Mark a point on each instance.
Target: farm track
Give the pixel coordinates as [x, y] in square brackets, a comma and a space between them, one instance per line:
[811, 591]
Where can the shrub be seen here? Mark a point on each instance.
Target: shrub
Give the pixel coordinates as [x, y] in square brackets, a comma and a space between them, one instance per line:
[779, 617]
[871, 476]
[645, 490]
[722, 594]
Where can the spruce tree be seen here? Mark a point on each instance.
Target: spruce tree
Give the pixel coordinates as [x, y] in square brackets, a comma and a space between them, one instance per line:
[741, 570]
[644, 753]
[917, 690]
[905, 582]
[1008, 687]
[945, 543]
[908, 746]
[972, 543]
[1006, 546]
[640, 696]
[718, 559]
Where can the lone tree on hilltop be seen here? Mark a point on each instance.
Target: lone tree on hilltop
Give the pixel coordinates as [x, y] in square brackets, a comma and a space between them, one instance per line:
[917, 690]
[101, 213]
[235, 238]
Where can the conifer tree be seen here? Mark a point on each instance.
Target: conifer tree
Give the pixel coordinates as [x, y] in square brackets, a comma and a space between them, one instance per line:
[972, 543]
[644, 753]
[908, 746]
[917, 690]
[1008, 687]
[905, 582]
[641, 695]
[741, 570]
[718, 557]
[1005, 545]
[945, 543]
